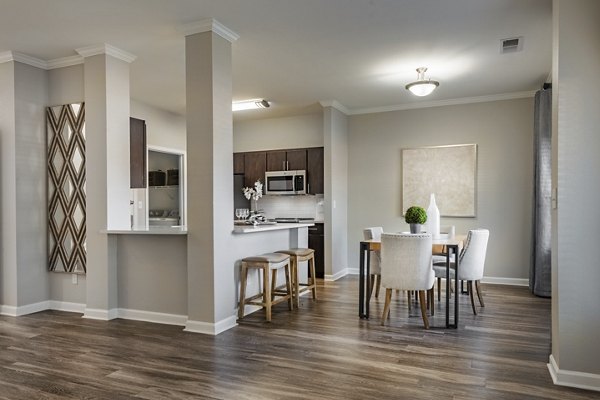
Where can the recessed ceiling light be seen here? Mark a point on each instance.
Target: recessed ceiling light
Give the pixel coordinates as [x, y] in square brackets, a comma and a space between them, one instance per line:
[249, 104]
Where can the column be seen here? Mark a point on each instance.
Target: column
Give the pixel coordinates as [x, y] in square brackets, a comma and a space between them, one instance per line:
[106, 85]
[211, 283]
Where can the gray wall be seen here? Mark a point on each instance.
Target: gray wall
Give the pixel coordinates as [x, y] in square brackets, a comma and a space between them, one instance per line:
[152, 273]
[23, 181]
[503, 131]
[31, 97]
[278, 133]
[576, 142]
[163, 128]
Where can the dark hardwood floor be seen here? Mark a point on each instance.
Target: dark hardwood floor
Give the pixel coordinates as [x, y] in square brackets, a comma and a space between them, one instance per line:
[322, 351]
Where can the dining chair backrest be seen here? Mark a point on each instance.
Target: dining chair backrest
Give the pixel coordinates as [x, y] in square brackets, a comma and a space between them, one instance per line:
[374, 233]
[472, 257]
[406, 261]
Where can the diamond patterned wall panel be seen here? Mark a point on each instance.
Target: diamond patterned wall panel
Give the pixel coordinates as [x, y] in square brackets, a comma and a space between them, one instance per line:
[66, 188]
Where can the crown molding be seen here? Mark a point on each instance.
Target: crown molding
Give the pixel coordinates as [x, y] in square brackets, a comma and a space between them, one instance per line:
[335, 104]
[23, 59]
[105, 48]
[6, 56]
[64, 62]
[441, 103]
[209, 25]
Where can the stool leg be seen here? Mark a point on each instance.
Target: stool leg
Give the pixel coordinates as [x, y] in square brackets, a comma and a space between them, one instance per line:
[313, 277]
[288, 285]
[296, 279]
[267, 293]
[273, 284]
[244, 277]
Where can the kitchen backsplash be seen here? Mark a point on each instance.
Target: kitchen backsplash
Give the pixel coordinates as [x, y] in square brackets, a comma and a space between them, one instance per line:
[292, 206]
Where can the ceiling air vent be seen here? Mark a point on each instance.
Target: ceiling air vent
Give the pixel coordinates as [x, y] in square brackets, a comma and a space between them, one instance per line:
[511, 45]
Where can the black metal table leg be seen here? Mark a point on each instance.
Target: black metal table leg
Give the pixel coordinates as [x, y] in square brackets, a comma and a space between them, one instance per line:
[361, 281]
[456, 262]
[448, 287]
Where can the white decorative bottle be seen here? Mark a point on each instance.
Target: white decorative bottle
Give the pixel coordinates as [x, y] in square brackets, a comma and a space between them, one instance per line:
[433, 218]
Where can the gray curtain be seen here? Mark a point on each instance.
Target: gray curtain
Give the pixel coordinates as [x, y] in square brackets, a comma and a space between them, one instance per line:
[540, 270]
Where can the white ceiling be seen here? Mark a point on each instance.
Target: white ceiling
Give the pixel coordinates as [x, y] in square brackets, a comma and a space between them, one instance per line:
[296, 53]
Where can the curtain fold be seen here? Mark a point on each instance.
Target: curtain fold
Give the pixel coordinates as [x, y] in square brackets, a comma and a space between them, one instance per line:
[540, 269]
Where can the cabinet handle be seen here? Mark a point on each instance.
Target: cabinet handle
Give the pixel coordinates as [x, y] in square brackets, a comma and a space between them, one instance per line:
[287, 165]
[283, 163]
[308, 188]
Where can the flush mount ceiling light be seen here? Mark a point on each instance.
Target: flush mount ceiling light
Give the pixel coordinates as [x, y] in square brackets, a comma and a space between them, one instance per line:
[422, 86]
[249, 104]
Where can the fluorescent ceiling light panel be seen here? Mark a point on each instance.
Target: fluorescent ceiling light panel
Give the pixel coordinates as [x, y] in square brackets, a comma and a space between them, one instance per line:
[249, 104]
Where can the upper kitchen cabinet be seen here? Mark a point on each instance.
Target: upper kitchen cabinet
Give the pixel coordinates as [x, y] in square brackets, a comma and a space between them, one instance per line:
[286, 160]
[255, 165]
[137, 153]
[316, 170]
[238, 163]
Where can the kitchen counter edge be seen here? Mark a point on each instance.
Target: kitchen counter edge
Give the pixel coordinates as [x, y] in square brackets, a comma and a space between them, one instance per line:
[264, 228]
[152, 230]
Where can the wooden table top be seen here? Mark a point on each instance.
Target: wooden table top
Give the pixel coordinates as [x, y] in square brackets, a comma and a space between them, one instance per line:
[374, 244]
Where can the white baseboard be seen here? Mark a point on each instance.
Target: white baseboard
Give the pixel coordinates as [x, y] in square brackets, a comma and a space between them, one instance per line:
[67, 306]
[493, 280]
[208, 328]
[581, 380]
[13, 311]
[101, 314]
[505, 281]
[338, 275]
[150, 316]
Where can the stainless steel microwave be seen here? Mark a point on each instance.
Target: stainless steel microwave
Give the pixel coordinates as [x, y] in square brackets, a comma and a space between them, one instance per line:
[285, 182]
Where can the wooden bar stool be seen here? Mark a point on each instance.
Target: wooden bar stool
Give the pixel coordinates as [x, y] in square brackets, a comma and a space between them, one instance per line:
[298, 255]
[267, 262]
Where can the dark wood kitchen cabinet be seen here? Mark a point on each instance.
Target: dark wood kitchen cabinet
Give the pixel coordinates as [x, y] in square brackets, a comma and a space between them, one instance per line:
[255, 165]
[286, 160]
[316, 168]
[137, 153]
[316, 241]
[238, 163]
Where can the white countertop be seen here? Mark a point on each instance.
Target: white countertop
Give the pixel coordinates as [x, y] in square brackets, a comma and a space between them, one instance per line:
[151, 230]
[274, 227]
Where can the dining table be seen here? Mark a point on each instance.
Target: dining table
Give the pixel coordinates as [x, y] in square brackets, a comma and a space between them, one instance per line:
[450, 245]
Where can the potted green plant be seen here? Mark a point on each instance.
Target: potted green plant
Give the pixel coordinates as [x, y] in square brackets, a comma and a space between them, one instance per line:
[415, 216]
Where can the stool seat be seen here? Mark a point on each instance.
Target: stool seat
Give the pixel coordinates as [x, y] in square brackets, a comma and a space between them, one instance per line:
[298, 255]
[268, 257]
[300, 252]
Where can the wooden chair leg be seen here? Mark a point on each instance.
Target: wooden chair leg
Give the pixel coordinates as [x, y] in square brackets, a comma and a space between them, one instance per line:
[422, 301]
[386, 307]
[267, 294]
[409, 301]
[479, 294]
[431, 295]
[439, 287]
[378, 286]
[288, 286]
[470, 290]
[244, 277]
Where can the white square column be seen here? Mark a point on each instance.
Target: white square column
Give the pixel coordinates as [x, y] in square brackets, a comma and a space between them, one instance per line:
[106, 85]
[211, 278]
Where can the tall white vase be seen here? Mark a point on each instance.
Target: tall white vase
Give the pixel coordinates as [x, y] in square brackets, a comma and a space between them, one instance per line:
[433, 218]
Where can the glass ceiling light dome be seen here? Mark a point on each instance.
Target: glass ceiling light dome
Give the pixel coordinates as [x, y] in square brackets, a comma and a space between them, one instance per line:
[422, 87]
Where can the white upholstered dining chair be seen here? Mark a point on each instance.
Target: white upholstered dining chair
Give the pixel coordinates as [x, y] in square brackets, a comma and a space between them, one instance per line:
[375, 278]
[406, 265]
[471, 263]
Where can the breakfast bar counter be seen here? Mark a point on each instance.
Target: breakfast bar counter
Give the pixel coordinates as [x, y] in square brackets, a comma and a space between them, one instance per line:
[270, 227]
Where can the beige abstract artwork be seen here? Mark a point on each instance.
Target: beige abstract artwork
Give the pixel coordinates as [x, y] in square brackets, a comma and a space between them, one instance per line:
[449, 172]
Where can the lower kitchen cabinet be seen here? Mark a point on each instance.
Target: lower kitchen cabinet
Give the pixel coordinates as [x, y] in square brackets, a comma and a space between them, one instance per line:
[316, 241]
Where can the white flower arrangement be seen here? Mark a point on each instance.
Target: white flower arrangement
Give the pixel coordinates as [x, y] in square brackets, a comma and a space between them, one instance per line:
[255, 193]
